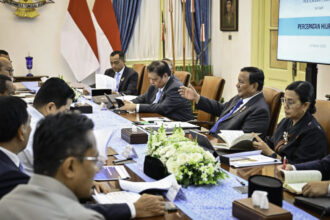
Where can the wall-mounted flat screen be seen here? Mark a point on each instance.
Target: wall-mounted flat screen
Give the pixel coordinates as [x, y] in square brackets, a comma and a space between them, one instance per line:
[304, 31]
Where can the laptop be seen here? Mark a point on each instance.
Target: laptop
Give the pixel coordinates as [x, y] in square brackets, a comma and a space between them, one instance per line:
[204, 142]
[98, 95]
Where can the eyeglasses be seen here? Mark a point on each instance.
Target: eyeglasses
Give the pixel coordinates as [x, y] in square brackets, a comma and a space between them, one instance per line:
[99, 161]
[288, 103]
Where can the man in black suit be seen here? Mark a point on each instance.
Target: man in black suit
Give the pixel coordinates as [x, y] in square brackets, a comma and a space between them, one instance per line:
[126, 78]
[14, 133]
[247, 111]
[317, 188]
[162, 96]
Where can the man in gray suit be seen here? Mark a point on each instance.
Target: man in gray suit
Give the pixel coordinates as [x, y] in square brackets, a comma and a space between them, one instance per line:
[247, 111]
[65, 162]
[162, 96]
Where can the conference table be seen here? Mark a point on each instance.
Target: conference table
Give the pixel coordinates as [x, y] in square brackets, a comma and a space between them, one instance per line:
[193, 202]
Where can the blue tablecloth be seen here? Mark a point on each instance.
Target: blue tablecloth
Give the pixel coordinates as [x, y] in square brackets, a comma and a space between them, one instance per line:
[202, 202]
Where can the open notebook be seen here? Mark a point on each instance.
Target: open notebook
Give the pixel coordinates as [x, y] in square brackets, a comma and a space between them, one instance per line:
[294, 181]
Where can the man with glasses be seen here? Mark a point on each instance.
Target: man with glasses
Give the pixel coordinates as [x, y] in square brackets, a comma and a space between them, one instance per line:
[247, 111]
[65, 162]
[6, 67]
[126, 78]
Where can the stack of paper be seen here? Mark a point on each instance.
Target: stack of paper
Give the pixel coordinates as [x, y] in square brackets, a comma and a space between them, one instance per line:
[116, 197]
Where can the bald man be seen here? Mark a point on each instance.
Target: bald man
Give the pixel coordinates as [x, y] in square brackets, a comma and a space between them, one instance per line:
[6, 68]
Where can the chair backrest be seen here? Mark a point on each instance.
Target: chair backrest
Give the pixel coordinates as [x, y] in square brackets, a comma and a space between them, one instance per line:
[212, 88]
[273, 99]
[139, 68]
[145, 81]
[322, 115]
[183, 76]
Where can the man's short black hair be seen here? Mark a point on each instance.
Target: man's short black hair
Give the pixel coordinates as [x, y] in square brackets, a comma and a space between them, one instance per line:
[13, 114]
[255, 75]
[4, 52]
[53, 90]
[160, 68]
[3, 85]
[121, 54]
[58, 137]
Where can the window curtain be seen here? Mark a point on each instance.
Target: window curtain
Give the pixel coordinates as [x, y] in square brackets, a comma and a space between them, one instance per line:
[127, 12]
[144, 44]
[202, 11]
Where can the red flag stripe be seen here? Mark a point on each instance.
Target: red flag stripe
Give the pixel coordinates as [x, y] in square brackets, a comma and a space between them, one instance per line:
[79, 12]
[106, 18]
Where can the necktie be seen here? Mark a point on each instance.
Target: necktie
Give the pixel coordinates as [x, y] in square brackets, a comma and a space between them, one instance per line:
[159, 93]
[20, 166]
[214, 128]
[117, 81]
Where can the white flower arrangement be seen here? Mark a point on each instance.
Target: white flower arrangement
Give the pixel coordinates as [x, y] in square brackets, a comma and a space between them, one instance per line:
[190, 163]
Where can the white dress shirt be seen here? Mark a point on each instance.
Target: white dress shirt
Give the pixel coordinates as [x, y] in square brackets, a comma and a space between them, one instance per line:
[11, 156]
[26, 156]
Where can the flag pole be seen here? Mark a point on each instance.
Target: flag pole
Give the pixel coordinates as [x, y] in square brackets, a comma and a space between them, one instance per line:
[163, 34]
[193, 39]
[202, 40]
[172, 31]
[184, 33]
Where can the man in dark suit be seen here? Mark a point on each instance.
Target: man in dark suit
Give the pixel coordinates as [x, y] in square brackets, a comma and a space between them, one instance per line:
[14, 133]
[162, 96]
[247, 111]
[317, 188]
[126, 78]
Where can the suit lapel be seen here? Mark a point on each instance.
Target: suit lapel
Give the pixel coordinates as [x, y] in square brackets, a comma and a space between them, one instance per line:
[244, 108]
[8, 161]
[122, 79]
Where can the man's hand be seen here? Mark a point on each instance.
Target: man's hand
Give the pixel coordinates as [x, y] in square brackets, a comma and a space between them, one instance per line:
[189, 93]
[149, 205]
[315, 189]
[280, 175]
[261, 145]
[128, 107]
[102, 187]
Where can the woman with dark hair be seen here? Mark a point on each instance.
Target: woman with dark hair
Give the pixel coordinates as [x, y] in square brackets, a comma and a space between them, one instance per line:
[298, 137]
[229, 14]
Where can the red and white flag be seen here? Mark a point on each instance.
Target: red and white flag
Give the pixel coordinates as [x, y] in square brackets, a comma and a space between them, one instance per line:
[78, 40]
[107, 32]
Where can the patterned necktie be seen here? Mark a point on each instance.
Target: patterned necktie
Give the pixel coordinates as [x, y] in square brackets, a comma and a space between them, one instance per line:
[117, 81]
[214, 128]
[159, 93]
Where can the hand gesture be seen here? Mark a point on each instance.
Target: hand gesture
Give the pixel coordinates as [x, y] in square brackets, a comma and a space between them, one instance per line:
[189, 93]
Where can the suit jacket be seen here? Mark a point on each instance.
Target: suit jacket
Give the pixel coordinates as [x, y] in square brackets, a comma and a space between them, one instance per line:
[307, 140]
[10, 175]
[57, 202]
[170, 104]
[254, 116]
[322, 165]
[128, 81]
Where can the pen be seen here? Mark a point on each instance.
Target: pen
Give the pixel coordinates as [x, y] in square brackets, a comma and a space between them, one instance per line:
[284, 163]
[242, 183]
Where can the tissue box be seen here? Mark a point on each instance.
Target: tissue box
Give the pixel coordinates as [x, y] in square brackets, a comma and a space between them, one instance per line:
[244, 209]
[83, 108]
[138, 137]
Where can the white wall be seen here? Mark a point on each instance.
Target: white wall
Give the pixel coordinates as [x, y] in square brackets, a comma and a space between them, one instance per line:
[41, 38]
[229, 56]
